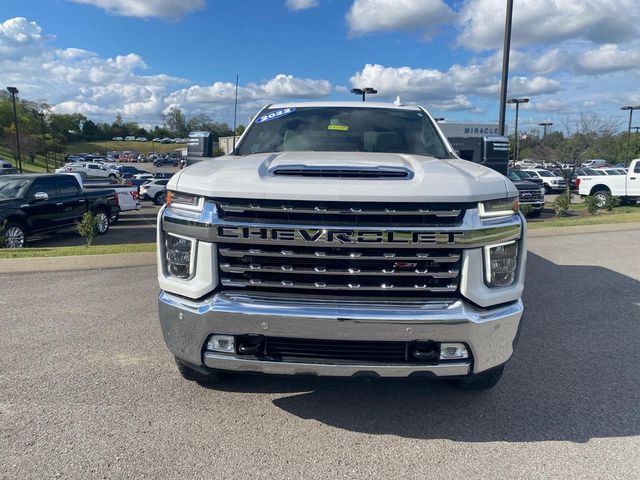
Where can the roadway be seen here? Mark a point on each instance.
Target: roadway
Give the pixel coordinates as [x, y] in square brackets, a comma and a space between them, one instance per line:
[88, 389]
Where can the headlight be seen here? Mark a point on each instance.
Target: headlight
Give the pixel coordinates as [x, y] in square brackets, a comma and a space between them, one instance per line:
[184, 200]
[501, 262]
[180, 255]
[542, 192]
[503, 207]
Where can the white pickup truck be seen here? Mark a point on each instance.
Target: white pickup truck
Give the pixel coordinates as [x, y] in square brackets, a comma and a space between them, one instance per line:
[603, 187]
[128, 197]
[342, 239]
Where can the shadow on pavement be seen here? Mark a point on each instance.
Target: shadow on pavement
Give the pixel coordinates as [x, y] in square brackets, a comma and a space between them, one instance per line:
[574, 375]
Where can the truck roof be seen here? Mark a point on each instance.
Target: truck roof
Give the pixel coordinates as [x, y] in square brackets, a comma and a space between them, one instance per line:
[351, 104]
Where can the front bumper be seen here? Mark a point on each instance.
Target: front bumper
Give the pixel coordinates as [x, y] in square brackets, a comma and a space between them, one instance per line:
[489, 333]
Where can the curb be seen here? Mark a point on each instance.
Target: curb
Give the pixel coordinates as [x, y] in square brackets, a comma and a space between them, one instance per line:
[580, 229]
[78, 262]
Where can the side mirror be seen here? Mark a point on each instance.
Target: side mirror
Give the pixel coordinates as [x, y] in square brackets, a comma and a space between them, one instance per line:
[41, 197]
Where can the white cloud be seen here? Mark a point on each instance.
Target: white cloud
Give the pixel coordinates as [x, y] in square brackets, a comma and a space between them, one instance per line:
[532, 86]
[301, 4]
[201, 98]
[451, 87]
[20, 38]
[367, 16]
[547, 21]
[607, 58]
[169, 9]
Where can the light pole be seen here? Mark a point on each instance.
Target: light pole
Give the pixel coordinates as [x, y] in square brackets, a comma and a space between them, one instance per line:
[505, 66]
[364, 91]
[44, 143]
[631, 108]
[545, 125]
[13, 91]
[517, 101]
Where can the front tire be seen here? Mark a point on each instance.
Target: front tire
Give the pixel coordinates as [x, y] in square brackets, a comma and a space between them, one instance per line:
[483, 381]
[602, 198]
[535, 213]
[15, 236]
[102, 222]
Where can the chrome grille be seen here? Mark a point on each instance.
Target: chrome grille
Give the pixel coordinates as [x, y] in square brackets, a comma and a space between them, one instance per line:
[354, 214]
[340, 268]
[531, 196]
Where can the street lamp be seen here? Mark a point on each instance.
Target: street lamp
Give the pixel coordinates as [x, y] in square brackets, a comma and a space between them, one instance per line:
[517, 101]
[13, 91]
[505, 66]
[545, 125]
[631, 108]
[364, 91]
[44, 143]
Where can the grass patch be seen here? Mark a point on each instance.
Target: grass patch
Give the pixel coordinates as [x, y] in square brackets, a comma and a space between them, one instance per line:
[109, 146]
[618, 215]
[71, 251]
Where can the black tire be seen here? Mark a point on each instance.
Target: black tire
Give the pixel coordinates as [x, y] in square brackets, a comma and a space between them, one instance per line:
[535, 213]
[15, 235]
[114, 219]
[547, 189]
[102, 222]
[112, 176]
[483, 381]
[602, 198]
[159, 198]
[192, 375]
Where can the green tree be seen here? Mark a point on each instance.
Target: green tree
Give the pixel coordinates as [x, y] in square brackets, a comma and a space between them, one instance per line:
[175, 122]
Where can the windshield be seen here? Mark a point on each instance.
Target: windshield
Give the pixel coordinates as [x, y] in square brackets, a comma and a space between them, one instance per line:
[343, 129]
[11, 188]
[511, 175]
[545, 173]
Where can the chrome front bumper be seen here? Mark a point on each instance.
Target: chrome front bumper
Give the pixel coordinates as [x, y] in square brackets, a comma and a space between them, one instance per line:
[489, 333]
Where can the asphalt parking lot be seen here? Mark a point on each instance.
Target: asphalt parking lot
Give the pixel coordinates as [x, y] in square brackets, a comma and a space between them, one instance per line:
[88, 389]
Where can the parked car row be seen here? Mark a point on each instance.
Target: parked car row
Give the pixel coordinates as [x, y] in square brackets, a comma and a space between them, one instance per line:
[133, 138]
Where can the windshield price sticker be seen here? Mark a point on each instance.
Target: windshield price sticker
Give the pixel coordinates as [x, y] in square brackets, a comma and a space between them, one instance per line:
[275, 115]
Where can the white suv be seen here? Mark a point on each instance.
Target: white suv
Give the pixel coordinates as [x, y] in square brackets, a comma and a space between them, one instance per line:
[90, 169]
[154, 190]
[551, 181]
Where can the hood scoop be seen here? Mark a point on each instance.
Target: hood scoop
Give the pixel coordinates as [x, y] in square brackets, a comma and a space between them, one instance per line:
[339, 171]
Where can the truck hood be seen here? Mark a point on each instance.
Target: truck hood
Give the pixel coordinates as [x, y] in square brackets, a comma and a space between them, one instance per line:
[429, 179]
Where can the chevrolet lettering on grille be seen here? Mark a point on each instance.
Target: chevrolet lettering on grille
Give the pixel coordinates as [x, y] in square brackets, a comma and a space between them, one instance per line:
[299, 235]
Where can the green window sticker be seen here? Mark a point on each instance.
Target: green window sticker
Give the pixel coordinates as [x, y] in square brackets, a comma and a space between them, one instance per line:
[341, 128]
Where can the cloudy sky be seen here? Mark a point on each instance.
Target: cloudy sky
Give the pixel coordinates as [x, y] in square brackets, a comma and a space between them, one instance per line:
[140, 57]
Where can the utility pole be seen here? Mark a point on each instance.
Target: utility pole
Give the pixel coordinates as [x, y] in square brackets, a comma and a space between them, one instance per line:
[631, 108]
[505, 67]
[44, 143]
[545, 125]
[364, 91]
[517, 101]
[13, 91]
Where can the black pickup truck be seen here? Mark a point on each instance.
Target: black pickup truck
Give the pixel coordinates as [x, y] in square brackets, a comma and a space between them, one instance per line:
[45, 203]
[530, 193]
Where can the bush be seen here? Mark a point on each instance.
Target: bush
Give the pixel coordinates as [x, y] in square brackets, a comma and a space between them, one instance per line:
[591, 204]
[526, 209]
[88, 227]
[612, 203]
[561, 204]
